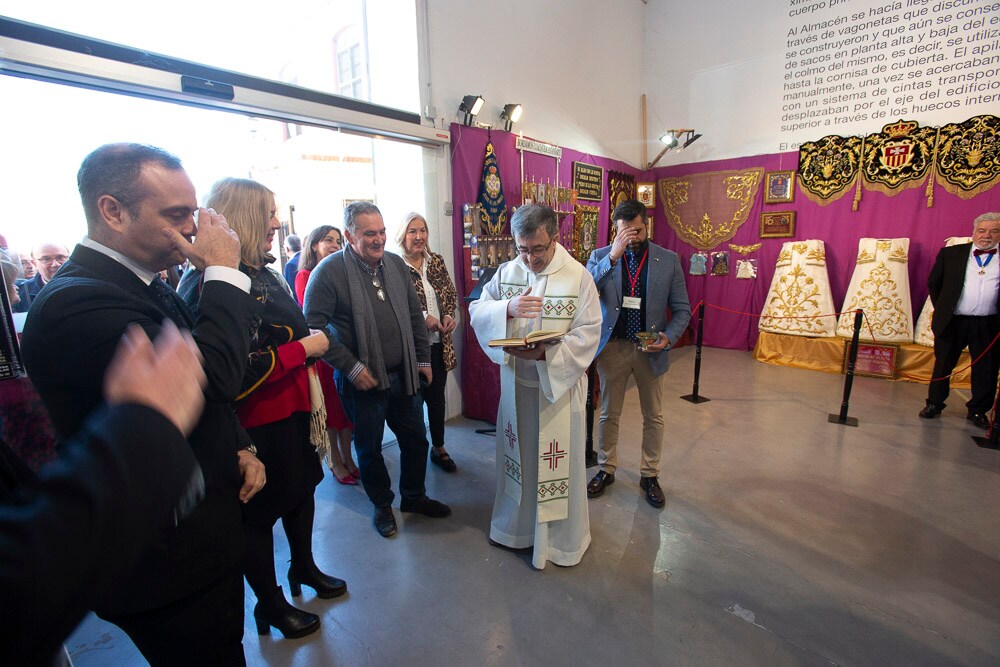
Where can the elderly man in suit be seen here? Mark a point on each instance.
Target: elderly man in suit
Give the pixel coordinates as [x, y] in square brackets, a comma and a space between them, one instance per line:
[183, 603]
[963, 284]
[638, 281]
[46, 259]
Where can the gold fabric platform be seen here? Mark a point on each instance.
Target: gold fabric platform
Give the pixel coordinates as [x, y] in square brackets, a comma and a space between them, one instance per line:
[827, 355]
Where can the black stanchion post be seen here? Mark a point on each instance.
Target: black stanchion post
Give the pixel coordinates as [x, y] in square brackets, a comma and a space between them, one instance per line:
[852, 358]
[992, 439]
[693, 397]
[591, 455]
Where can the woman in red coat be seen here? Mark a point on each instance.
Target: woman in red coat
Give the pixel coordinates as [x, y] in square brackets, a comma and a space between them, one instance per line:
[321, 242]
[274, 408]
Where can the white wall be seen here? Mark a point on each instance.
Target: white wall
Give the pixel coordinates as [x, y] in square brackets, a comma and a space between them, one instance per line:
[574, 65]
[722, 68]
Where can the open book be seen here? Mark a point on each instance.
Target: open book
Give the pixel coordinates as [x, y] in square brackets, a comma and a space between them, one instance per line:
[531, 339]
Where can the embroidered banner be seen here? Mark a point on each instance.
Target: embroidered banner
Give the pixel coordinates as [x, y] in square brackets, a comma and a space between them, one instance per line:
[585, 220]
[708, 209]
[968, 156]
[492, 206]
[899, 158]
[828, 167]
[621, 187]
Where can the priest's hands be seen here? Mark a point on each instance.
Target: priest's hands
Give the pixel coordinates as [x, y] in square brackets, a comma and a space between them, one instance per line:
[526, 306]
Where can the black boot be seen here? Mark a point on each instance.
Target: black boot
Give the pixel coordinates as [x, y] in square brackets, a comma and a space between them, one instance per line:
[325, 586]
[274, 611]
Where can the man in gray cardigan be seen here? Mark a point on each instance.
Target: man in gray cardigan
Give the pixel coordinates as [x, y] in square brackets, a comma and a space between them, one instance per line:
[363, 298]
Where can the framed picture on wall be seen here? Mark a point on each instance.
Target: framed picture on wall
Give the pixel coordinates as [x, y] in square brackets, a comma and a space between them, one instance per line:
[649, 227]
[777, 225]
[779, 187]
[646, 193]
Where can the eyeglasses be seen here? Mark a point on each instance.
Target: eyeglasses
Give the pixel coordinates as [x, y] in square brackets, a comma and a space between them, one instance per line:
[47, 259]
[535, 252]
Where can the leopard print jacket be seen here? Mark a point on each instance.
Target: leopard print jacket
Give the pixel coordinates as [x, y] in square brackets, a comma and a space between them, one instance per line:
[437, 276]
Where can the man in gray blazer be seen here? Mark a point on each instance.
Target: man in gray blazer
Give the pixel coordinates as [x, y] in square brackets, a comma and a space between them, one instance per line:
[638, 281]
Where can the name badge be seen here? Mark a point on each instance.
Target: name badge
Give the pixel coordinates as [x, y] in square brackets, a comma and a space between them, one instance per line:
[632, 302]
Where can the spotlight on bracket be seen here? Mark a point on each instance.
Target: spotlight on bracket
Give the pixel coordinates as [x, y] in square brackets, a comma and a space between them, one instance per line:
[511, 114]
[471, 105]
[672, 139]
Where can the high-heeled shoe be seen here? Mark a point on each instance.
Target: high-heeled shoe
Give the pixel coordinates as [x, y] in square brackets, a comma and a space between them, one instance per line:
[326, 587]
[274, 611]
[346, 480]
[355, 473]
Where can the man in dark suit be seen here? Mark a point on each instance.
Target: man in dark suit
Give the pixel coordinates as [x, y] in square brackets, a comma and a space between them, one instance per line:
[638, 281]
[46, 259]
[128, 472]
[964, 284]
[293, 248]
[184, 602]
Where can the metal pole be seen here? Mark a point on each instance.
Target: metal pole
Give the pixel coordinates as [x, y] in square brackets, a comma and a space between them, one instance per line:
[693, 397]
[852, 358]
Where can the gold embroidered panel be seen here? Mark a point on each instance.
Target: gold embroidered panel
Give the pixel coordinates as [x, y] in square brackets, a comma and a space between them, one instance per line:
[708, 209]
[621, 187]
[585, 220]
[899, 158]
[828, 167]
[968, 156]
[800, 301]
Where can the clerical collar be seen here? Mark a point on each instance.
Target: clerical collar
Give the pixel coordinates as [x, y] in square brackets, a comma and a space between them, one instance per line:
[363, 264]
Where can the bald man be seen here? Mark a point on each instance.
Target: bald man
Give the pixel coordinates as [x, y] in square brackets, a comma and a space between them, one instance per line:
[46, 258]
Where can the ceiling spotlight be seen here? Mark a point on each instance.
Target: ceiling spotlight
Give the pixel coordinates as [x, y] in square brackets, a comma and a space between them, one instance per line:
[511, 114]
[669, 139]
[471, 106]
[672, 139]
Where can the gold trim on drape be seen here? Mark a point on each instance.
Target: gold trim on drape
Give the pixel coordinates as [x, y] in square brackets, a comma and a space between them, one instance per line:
[709, 208]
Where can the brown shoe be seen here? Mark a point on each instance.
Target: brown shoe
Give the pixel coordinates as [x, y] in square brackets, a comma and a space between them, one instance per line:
[598, 484]
[654, 494]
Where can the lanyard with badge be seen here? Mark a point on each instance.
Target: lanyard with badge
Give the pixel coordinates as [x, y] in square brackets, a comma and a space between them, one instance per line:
[634, 301]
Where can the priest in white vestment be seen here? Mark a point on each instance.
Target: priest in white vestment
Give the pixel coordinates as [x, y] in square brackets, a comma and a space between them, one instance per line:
[541, 498]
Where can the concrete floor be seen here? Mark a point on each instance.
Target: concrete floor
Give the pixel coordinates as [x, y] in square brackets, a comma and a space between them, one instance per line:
[785, 540]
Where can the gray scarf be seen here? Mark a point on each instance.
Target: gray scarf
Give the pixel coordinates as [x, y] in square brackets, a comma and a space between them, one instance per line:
[365, 328]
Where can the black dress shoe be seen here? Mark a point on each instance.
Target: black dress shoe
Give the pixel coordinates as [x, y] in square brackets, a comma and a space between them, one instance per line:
[426, 506]
[597, 485]
[654, 494]
[979, 419]
[443, 461]
[274, 611]
[326, 587]
[931, 411]
[385, 520]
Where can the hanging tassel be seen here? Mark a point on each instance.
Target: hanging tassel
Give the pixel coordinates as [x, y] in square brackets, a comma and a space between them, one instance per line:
[318, 436]
[929, 192]
[861, 169]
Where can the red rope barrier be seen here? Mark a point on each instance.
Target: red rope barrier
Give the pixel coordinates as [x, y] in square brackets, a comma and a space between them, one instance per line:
[870, 331]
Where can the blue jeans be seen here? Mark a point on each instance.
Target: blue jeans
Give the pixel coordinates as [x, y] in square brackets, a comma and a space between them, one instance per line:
[370, 411]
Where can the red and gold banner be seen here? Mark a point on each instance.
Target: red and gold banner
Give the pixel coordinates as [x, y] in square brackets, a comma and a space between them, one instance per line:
[899, 158]
[708, 209]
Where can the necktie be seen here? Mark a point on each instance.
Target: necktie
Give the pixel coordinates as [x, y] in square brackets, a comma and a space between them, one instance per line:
[633, 322]
[977, 252]
[170, 304]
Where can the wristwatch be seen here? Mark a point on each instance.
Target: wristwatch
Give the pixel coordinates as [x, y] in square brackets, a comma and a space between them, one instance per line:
[252, 448]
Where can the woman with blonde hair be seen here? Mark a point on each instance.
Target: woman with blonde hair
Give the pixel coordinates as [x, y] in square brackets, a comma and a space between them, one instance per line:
[275, 409]
[439, 299]
[322, 242]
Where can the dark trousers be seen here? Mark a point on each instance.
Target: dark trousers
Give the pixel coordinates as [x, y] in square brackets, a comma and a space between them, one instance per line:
[258, 565]
[434, 395]
[205, 628]
[370, 412]
[977, 333]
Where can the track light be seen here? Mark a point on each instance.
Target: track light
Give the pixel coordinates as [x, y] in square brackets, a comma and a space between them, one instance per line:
[471, 106]
[511, 114]
[669, 139]
[672, 139]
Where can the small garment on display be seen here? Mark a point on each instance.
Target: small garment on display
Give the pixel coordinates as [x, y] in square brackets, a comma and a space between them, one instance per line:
[746, 269]
[720, 263]
[699, 264]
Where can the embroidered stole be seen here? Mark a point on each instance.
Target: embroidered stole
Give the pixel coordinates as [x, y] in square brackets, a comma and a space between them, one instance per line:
[560, 292]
